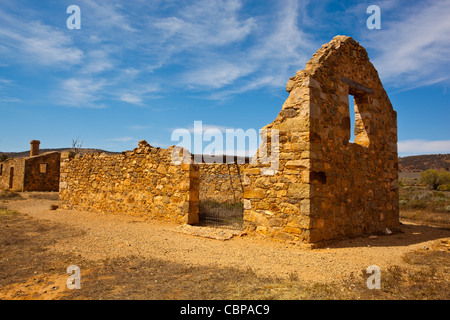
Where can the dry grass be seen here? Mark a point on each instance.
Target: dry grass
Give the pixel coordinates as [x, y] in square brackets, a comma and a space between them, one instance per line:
[9, 195]
[425, 206]
[25, 258]
[14, 195]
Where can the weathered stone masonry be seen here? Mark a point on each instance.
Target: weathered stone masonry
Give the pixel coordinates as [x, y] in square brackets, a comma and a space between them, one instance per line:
[326, 187]
[146, 182]
[141, 182]
[222, 181]
[34, 173]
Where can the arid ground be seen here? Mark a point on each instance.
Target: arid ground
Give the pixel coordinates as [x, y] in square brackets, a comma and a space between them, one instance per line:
[122, 257]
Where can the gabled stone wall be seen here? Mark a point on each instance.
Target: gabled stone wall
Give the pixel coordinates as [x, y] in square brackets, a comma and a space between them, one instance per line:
[326, 187]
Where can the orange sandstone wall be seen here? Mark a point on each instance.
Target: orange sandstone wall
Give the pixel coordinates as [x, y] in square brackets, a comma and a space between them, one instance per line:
[142, 182]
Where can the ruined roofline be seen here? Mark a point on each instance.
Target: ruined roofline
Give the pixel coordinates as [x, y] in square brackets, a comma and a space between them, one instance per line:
[42, 154]
[320, 57]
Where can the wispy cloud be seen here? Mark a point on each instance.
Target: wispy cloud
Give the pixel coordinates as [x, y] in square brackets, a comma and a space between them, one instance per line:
[5, 81]
[104, 17]
[277, 49]
[131, 98]
[138, 127]
[204, 23]
[96, 61]
[121, 139]
[37, 43]
[201, 129]
[81, 93]
[412, 48]
[418, 146]
[10, 100]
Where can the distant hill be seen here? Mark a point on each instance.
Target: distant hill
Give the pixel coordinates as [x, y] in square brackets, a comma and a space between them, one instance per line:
[41, 151]
[405, 164]
[424, 162]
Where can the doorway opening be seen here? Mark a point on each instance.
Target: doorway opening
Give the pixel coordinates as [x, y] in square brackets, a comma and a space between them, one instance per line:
[11, 177]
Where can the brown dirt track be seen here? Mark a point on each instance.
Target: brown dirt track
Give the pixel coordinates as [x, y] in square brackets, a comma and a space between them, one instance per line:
[124, 257]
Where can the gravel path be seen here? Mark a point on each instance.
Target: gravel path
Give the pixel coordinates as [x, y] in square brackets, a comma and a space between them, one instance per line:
[121, 236]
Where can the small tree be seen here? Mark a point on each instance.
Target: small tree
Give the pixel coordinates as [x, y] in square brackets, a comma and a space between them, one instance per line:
[3, 157]
[433, 178]
[76, 146]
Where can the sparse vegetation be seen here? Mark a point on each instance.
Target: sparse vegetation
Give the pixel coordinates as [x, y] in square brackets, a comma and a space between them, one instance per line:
[436, 180]
[6, 195]
[420, 204]
[76, 147]
[23, 243]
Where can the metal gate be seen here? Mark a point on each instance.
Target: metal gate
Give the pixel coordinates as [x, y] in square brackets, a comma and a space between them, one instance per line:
[221, 198]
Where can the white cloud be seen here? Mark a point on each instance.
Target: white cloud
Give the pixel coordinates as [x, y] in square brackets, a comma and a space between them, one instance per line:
[10, 100]
[104, 17]
[6, 81]
[271, 51]
[412, 48]
[205, 23]
[81, 93]
[418, 146]
[96, 61]
[121, 139]
[35, 42]
[202, 128]
[131, 98]
[139, 127]
[217, 75]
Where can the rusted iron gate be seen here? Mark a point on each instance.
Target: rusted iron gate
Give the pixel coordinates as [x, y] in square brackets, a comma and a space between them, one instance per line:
[221, 197]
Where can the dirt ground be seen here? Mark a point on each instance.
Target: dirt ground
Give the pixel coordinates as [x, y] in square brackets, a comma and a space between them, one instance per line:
[123, 257]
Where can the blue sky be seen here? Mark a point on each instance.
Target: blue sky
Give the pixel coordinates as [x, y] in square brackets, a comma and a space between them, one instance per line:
[140, 69]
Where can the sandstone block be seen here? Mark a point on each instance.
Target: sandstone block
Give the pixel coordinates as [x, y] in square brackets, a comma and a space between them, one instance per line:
[254, 193]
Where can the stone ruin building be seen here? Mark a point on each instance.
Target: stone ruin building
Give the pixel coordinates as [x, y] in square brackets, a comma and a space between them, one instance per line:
[38, 172]
[325, 186]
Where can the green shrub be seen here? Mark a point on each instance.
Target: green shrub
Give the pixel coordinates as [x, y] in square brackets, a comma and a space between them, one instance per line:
[434, 179]
[444, 187]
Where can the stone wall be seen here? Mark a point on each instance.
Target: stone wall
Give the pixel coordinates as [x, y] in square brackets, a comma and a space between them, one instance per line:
[28, 173]
[18, 166]
[324, 187]
[222, 182]
[142, 182]
[327, 187]
[42, 172]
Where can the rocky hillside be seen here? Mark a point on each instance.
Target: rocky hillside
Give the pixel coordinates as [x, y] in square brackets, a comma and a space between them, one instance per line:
[27, 153]
[405, 164]
[424, 162]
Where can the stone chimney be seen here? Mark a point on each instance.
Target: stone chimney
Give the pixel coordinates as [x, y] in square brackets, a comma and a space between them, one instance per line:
[34, 151]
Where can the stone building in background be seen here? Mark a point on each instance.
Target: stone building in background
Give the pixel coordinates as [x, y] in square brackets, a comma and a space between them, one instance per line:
[38, 172]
